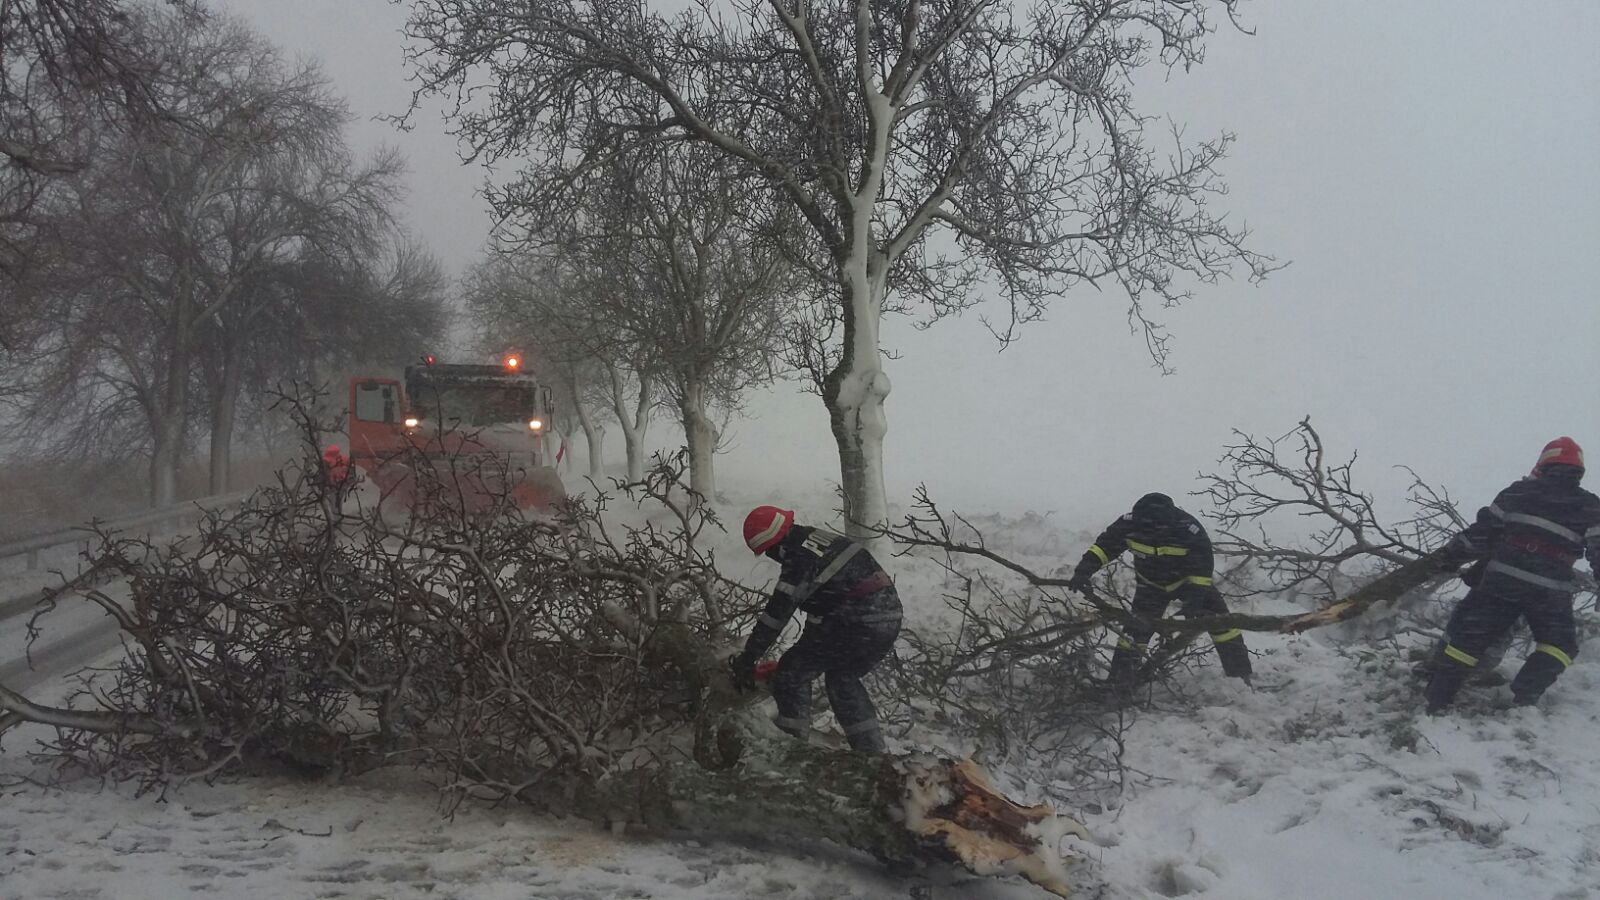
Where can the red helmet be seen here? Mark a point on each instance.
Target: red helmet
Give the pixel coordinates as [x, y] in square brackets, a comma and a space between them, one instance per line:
[1563, 451]
[766, 526]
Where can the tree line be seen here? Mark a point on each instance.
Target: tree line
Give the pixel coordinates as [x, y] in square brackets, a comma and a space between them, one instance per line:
[183, 225]
[687, 205]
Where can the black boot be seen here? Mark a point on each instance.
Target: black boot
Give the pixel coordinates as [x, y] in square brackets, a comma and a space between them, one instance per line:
[1447, 680]
[1538, 673]
[1124, 669]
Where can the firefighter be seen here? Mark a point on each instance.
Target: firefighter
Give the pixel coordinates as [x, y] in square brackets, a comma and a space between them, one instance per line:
[333, 469]
[1528, 540]
[1172, 561]
[852, 620]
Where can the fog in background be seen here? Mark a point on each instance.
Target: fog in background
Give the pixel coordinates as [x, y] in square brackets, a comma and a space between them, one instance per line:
[1428, 168]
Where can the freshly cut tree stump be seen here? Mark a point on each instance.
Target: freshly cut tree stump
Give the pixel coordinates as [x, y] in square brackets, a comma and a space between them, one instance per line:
[904, 810]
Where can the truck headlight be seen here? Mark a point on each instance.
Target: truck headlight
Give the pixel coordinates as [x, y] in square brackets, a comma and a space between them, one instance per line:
[535, 425]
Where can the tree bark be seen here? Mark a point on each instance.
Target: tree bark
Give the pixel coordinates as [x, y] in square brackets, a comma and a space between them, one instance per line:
[172, 414]
[594, 439]
[700, 433]
[903, 810]
[854, 393]
[634, 422]
[223, 416]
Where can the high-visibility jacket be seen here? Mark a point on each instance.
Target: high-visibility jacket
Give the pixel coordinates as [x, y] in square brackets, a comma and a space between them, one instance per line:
[1170, 548]
[825, 575]
[1534, 531]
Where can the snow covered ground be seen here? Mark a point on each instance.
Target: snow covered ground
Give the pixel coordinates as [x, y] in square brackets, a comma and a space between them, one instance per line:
[1327, 783]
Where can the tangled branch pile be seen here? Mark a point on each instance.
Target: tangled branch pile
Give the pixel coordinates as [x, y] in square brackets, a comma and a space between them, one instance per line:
[503, 650]
[567, 661]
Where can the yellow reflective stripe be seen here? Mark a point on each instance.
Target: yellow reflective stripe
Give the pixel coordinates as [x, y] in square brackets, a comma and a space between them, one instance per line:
[1218, 637]
[1125, 644]
[1104, 559]
[1204, 580]
[1165, 587]
[1560, 655]
[1459, 655]
[1152, 550]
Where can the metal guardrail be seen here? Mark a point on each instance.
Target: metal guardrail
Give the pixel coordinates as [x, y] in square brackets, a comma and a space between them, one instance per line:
[31, 546]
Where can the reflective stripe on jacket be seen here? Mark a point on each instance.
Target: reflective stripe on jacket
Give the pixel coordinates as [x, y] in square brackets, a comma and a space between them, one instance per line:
[825, 575]
[1169, 551]
[1535, 530]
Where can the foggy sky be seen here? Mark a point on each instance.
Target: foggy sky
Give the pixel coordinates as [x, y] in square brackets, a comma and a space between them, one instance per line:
[1430, 169]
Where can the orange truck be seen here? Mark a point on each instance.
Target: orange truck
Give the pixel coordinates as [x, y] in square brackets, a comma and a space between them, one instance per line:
[480, 428]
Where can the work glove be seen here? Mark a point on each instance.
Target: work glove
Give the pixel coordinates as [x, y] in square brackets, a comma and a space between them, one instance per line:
[1452, 556]
[742, 670]
[1471, 575]
[1079, 582]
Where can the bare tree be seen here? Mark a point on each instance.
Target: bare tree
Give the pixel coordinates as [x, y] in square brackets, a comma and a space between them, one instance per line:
[937, 150]
[575, 390]
[378, 304]
[552, 308]
[632, 390]
[684, 266]
[67, 67]
[169, 243]
[296, 205]
[1297, 521]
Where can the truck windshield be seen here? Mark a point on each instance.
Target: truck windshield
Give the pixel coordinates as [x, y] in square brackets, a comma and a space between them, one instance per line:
[477, 405]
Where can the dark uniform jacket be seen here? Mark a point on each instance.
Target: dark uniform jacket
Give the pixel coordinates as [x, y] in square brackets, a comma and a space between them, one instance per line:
[1170, 548]
[825, 575]
[1534, 531]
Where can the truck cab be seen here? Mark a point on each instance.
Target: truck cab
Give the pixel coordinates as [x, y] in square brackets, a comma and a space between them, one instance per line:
[458, 415]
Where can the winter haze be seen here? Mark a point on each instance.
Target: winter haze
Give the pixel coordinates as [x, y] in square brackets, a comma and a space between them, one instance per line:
[1428, 169]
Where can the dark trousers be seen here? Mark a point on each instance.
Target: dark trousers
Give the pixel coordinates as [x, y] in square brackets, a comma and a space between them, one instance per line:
[1151, 602]
[1483, 618]
[841, 650]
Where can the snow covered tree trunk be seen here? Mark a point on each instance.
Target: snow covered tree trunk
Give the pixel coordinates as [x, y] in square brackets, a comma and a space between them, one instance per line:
[855, 392]
[634, 422]
[594, 439]
[700, 433]
[593, 432]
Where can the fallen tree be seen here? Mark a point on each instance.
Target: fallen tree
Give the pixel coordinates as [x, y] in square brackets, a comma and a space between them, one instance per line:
[570, 662]
[1019, 659]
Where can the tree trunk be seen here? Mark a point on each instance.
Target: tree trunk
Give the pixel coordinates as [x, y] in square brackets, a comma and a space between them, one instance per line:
[854, 393]
[634, 422]
[167, 450]
[701, 436]
[224, 408]
[593, 438]
[593, 434]
[900, 809]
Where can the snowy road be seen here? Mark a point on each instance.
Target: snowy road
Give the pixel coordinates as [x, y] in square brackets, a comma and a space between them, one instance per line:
[75, 634]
